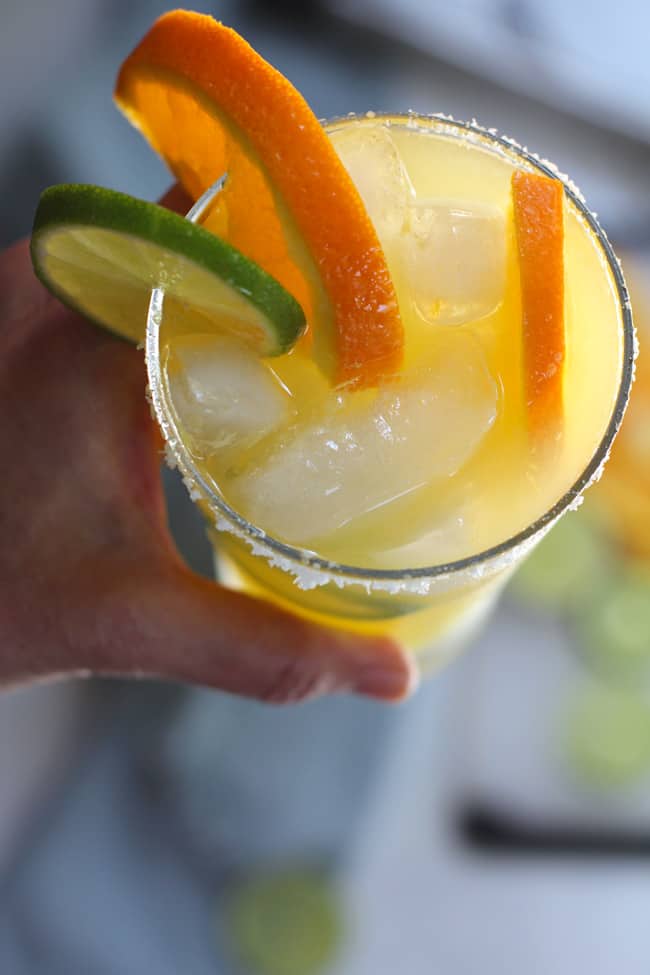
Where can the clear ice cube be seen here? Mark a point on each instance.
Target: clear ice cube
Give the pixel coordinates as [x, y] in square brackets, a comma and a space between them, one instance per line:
[454, 257]
[372, 160]
[222, 393]
[367, 450]
[446, 542]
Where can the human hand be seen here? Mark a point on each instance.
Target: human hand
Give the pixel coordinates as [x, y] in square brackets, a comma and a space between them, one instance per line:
[90, 580]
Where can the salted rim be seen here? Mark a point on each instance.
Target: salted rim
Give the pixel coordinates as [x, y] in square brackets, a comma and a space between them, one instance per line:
[297, 560]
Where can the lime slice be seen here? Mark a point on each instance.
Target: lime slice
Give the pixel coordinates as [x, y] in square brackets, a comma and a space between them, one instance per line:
[567, 569]
[608, 737]
[102, 252]
[614, 632]
[286, 923]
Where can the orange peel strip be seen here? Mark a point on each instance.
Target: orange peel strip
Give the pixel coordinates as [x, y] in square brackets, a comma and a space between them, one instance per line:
[205, 99]
[539, 227]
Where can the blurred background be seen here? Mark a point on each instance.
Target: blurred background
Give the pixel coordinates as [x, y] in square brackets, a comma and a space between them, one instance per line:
[501, 820]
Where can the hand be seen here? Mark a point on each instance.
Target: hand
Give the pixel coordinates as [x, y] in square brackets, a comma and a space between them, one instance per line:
[89, 578]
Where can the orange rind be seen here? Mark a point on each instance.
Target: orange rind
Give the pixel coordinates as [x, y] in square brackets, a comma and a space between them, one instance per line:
[539, 227]
[208, 103]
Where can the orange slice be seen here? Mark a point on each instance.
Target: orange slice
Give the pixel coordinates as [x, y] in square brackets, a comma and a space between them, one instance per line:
[208, 103]
[539, 227]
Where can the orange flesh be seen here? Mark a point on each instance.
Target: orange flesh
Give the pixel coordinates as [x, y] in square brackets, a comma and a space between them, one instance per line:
[208, 103]
[539, 228]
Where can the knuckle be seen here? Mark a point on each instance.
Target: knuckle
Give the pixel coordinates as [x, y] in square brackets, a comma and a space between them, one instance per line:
[292, 682]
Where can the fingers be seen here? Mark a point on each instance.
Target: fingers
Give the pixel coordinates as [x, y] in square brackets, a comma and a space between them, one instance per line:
[188, 629]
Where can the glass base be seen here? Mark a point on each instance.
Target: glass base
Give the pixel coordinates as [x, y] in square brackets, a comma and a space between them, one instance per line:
[434, 634]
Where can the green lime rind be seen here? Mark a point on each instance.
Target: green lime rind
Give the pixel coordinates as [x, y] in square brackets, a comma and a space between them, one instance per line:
[607, 737]
[79, 220]
[567, 570]
[614, 632]
[284, 923]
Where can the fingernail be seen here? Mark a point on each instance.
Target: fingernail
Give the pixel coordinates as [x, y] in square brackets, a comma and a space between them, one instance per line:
[389, 683]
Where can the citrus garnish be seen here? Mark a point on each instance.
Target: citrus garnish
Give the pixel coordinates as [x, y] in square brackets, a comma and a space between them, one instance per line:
[285, 923]
[539, 227]
[208, 103]
[102, 252]
[567, 571]
[622, 497]
[607, 737]
[615, 633]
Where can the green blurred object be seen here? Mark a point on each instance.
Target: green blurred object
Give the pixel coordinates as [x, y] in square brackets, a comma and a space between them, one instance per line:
[608, 737]
[567, 568]
[614, 633]
[284, 923]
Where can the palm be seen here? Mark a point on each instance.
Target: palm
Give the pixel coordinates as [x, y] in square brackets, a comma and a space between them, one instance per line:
[81, 497]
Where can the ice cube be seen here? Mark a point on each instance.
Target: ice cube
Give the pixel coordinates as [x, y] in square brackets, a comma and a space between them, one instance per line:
[223, 394]
[448, 541]
[454, 257]
[367, 450]
[371, 158]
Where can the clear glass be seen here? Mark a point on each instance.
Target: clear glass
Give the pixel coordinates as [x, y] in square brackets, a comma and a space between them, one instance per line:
[432, 610]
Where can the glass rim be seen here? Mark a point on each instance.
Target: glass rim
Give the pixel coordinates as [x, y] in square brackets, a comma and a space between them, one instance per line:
[307, 559]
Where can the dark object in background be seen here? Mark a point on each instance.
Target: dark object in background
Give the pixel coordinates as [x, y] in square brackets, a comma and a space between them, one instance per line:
[302, 10]
[492, 831]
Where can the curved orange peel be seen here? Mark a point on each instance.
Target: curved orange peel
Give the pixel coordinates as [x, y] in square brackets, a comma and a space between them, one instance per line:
[539, 228]
[208, 103]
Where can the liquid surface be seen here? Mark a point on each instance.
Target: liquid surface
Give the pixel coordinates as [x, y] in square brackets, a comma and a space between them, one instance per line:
[438, 464]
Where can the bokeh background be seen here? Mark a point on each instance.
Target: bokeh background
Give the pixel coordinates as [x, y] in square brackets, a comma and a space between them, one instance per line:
[500, 821]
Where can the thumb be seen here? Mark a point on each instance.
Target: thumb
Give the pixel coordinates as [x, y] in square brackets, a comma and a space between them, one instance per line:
[186, 628]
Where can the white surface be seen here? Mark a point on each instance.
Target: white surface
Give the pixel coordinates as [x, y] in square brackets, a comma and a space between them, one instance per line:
[27, 60]
[40, 728]
[587, 55]
[513, 733]
[423, 905]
